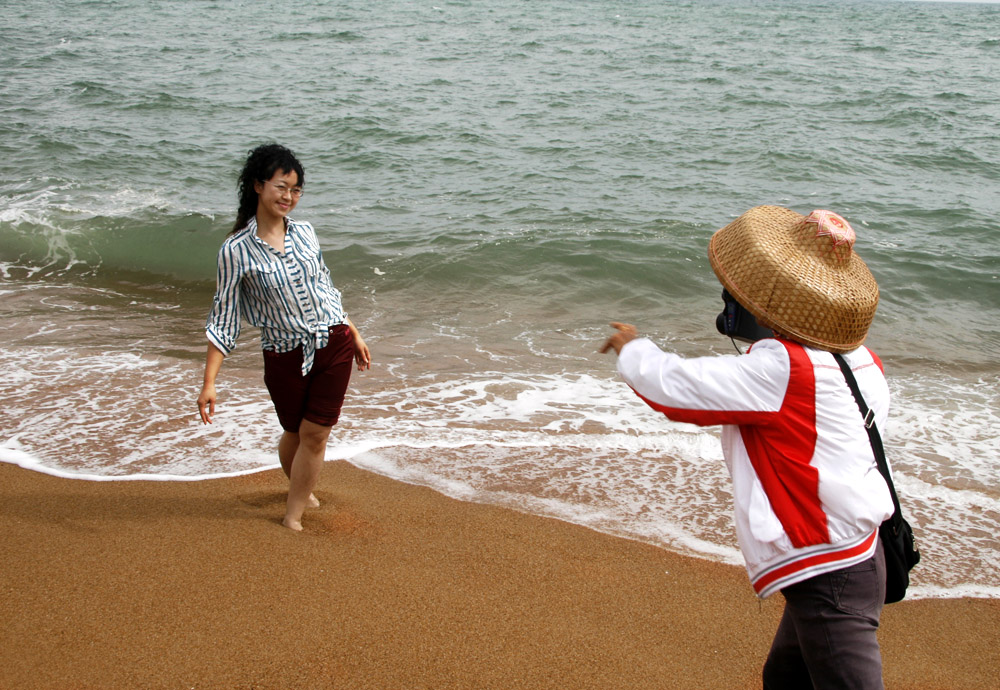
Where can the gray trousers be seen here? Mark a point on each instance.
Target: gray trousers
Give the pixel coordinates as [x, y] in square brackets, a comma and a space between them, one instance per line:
[826, 638]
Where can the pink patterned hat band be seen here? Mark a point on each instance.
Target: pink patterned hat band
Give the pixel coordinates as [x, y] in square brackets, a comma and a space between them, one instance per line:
[829, 224]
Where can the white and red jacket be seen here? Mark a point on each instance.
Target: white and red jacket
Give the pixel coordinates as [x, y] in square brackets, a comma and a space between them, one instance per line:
[809, 496]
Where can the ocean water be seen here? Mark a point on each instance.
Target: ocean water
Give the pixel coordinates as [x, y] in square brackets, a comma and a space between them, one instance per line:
[492, 183]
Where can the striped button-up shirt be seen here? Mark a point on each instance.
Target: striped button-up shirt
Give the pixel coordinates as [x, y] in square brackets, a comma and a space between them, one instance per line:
[288, 294]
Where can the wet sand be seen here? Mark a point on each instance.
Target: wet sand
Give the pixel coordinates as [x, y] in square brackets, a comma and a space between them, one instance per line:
[196, 585]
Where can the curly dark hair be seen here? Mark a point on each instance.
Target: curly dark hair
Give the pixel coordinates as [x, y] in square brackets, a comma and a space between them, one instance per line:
[262, 163]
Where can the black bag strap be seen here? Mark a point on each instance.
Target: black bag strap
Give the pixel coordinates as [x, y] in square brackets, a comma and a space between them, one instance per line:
[873, 435]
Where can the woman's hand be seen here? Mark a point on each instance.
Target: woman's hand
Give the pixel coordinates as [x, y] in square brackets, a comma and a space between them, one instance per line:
[206, 403]
[626, 334]
[206, 400]
[361, 353]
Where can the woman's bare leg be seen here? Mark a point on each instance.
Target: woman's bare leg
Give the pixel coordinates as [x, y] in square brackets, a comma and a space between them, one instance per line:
[287, 447]
[303, 474]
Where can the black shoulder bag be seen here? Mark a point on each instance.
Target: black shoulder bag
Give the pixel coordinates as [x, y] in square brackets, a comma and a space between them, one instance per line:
[896, 534]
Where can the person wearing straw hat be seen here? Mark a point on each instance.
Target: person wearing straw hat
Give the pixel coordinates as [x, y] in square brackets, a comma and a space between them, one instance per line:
[808, 495]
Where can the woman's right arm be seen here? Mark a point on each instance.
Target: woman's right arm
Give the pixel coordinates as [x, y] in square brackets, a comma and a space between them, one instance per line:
[222, 327]
[206, 401]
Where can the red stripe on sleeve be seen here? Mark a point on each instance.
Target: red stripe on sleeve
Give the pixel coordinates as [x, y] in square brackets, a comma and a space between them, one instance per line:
[709, 417]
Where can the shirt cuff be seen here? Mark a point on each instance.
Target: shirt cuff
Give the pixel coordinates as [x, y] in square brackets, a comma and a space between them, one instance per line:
[630, 356]
[216, 340]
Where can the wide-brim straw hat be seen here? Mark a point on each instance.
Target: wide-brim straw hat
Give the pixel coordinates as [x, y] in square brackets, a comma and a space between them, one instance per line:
[798, 275]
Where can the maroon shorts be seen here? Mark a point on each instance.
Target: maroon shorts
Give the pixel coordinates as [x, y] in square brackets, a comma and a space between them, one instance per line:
[317, 396]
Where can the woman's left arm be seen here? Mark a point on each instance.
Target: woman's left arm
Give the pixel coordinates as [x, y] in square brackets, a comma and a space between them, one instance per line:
[361, 353]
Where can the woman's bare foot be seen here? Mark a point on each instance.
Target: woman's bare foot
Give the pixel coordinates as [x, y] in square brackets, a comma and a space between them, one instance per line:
[294, 525]
[313, 502]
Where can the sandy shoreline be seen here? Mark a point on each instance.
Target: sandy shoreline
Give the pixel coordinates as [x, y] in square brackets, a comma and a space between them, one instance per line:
[196, 585]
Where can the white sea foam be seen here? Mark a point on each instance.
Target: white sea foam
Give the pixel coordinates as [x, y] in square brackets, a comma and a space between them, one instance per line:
[43, 207]
[961, 591]
[946, 428]
[573, 446]
[13, 454]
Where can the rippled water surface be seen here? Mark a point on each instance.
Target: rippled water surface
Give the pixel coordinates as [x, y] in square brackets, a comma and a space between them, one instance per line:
[492, 183]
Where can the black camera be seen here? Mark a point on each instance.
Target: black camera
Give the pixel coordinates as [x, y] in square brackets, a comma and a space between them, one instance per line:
[738, 323]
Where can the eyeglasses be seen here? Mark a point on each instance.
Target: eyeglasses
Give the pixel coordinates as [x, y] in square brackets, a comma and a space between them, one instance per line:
[282, 189]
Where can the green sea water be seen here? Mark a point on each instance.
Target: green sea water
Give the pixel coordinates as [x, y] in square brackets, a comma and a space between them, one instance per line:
[492, 183]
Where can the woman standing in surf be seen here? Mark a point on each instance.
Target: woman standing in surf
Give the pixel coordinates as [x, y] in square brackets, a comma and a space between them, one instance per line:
[272, 275]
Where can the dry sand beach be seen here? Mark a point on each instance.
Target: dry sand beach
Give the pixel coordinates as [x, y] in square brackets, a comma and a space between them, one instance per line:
[196, 585]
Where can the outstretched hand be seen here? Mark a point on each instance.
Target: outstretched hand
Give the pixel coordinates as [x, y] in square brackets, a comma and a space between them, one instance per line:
[626, 334]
